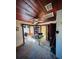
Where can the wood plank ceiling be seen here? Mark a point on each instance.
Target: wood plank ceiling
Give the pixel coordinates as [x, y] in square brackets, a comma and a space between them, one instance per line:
[28, 10]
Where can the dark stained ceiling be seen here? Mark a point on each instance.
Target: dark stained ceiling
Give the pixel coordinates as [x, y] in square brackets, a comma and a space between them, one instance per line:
[28, 10]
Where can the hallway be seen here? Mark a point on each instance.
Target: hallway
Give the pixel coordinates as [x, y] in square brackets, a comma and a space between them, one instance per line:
[36, 22]
[32, 50]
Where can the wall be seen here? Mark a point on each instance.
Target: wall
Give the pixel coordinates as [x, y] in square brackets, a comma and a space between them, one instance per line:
[31, 30]
[43, 30]
[59, 35]
[19, 36]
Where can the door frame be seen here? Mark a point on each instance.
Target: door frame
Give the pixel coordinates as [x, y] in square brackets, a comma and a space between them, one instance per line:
[23, 32]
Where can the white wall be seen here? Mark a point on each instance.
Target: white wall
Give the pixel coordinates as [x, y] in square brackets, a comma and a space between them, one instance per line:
[59, 35]
[19, 35]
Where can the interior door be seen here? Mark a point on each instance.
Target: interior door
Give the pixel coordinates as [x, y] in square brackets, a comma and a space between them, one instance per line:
[52, 37]
[59, 34]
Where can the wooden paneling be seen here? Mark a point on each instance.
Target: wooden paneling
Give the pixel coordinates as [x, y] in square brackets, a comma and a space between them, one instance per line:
[27, 10]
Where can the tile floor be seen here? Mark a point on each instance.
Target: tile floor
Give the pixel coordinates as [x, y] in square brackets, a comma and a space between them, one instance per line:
[32, 50]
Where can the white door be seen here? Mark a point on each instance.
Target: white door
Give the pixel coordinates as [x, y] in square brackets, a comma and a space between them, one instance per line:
[59, 34]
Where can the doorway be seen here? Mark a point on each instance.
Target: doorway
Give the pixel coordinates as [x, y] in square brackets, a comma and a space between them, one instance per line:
[25, 31]
[52, 37]
[32, 31]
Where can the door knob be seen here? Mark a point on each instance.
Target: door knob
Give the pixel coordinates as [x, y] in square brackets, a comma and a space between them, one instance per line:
[57, 32]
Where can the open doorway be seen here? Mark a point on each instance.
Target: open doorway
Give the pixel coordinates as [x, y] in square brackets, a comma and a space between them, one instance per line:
[43, 34]
[25, 31]
[38, 32]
